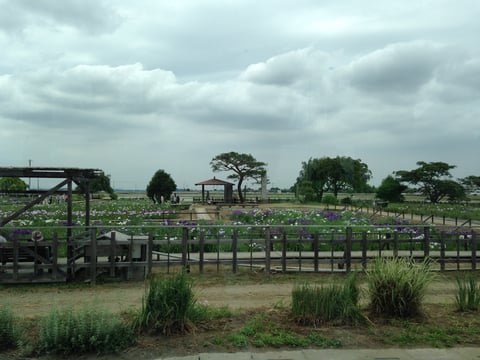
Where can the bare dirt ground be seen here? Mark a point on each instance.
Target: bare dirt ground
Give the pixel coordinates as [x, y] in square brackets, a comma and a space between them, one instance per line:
[245, 293]
[29, 302]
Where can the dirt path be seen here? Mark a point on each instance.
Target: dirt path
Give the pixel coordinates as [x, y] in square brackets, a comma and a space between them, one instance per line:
[32, 301]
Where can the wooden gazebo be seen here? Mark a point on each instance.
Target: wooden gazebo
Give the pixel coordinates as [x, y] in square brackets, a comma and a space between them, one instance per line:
[227, 189]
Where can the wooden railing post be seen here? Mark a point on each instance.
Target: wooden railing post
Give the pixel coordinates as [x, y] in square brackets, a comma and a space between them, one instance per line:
[54, 255]
[113, 246]
[201, 254]
[395, 243]
[442, 250]
[364, 250]
[15, 257]
[426, 241]
[93, 257]
[315, 251]
[184, 246]
[234, 251]
[284, 251]
[348, 249]
[267, 252]
[150, 254]
[474, 251]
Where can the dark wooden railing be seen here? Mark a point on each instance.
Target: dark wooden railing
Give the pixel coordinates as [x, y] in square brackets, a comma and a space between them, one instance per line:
[90, 254]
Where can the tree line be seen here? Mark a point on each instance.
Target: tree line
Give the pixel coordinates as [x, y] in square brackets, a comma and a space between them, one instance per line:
[317, 176]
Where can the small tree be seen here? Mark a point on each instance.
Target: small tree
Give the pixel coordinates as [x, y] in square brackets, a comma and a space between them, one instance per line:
[160, 185]
[12, 184]
[244, 166]
[391, 190]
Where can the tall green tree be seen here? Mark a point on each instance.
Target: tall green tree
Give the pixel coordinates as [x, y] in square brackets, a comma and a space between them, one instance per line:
[433, 181]
[97, 184]
[391, 190]
[12, 184]
[332, 174]
[244, 166]
[160, 185]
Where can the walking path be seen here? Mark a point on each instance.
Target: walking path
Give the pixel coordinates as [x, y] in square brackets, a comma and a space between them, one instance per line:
[460, 353]
[201, 213]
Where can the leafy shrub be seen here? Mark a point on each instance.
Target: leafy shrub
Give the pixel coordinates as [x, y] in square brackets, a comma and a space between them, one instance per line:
[330, 199]
[83, 331]
[468, 293]
[338, 302]
[8, 330]
[166, 305]
[397, 286]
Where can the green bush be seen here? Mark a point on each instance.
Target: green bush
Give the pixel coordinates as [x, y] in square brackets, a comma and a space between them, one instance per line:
[330, 199]
[314, 305]
[8, 329]
[89, 330]
[468, 293]
[166, 305]
[397, 286]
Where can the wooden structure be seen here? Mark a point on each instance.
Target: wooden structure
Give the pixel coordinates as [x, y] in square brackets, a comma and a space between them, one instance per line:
[284, 248]
[69, 176]
[227, 189]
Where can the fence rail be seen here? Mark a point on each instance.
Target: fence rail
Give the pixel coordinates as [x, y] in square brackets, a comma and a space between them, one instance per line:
[137, 251]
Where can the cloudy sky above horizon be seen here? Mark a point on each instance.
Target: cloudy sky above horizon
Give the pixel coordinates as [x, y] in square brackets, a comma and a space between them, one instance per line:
[131, 87]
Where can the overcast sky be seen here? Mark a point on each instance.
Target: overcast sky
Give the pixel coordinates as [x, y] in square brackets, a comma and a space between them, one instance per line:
[131, 87]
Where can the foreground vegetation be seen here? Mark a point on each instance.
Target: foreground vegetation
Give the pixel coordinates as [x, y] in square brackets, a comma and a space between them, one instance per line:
[325, 312]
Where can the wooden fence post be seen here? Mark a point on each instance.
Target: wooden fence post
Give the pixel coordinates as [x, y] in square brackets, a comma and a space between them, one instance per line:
[150, 254]
[15, 257]
[348, 249]
[113, 247]
[130, 257]
[426, 241]
[93, 257]
[201, 250]
[267, 252]
[315, 251]
[442, 250]
[54, 255]
[395, 243]
[184, 246]
[474, 251]
[284, 251]
[234, 251]
[364, 250]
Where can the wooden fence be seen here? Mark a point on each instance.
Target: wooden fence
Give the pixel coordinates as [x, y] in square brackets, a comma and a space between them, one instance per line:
[137, 251]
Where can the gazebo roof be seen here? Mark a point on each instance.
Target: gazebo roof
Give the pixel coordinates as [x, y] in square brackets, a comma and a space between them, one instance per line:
[214, 181]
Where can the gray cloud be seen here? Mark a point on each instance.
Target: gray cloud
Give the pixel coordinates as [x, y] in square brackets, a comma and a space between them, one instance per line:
[89, 16]
[133, 87]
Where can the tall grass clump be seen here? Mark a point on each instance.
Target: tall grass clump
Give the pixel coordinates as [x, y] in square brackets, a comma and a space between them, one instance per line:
[89, 330]
[166, 305]
[397, 286]
[8, 329]
[313, 305]
[468, 293]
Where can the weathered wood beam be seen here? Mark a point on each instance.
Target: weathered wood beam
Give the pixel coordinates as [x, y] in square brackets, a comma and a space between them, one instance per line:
[32, 203]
